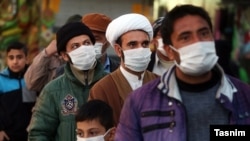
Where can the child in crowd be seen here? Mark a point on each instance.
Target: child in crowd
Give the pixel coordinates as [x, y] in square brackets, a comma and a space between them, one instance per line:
[16, 101]
[94, 122]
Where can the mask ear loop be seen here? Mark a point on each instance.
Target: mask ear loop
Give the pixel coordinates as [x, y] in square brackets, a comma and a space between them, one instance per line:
[173, 48]
[108, 131]
[69, 58]
[176, 63]
[122, 53]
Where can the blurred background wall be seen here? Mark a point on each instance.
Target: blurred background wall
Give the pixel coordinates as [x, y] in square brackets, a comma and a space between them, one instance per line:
[35, 22]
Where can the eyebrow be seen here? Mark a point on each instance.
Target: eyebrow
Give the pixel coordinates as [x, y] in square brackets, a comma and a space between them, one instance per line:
[146, 41]
[203, 29]
[184, 33]
[87, 40]
[199, 30]
[135, 42]
[17, 55]
[132, 42]
[78, 129]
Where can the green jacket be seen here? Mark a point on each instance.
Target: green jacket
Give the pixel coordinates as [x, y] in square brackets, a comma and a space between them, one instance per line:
[53, 117]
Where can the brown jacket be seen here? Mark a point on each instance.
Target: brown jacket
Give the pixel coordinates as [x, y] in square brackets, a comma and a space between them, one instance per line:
[114, 89]
[41, 71]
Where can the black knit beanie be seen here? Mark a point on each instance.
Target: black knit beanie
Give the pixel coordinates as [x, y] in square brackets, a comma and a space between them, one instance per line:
[70, 30]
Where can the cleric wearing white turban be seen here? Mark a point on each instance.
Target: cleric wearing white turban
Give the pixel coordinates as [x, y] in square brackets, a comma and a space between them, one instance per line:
[125, 23]
[130, 36]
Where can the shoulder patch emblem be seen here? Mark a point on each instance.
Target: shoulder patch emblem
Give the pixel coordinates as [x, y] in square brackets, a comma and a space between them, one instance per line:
[69, 105]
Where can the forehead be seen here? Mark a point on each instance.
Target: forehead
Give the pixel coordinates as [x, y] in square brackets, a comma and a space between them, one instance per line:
[135, 35]
[15, 52]
[90, 124]
[189, 23]
[98, 35]
[78, 39]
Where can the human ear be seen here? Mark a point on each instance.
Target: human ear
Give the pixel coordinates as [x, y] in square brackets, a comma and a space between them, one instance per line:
[111, 134]
[169, 52]
[65, 56]
[118, 50]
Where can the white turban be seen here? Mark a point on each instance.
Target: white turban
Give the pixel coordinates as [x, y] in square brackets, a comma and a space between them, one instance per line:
[127, 23]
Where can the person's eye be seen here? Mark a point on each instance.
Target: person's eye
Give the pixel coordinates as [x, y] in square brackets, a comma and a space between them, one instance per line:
[80, 134]
[132, 45]
[145, 44]
[75, 46]
[205, 34]
[93, 133]
[87, 43]
[19, 57]
[11, 57]
[184, 38]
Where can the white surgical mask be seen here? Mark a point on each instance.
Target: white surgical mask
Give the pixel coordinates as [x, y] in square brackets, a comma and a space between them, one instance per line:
[98, 49]
[137, 59]
[96, 138]
[83, 58]
[198, 58]
[160, 47]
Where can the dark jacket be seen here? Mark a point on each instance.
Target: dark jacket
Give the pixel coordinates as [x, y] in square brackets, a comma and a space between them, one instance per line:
[53, 118]
[16, 103]
[114, 62]
[152, 62]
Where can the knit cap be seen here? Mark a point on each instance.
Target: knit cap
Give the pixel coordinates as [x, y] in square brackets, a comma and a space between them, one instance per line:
[70, 30]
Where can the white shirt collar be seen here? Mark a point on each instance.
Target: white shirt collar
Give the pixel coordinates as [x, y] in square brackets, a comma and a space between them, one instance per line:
[161, 66]
[132, 79]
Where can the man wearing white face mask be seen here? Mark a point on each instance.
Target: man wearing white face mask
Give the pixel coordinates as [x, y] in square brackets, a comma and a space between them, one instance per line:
[54, 113]
[160, 61]
[98, 24]
[192, 94]
[130, 35]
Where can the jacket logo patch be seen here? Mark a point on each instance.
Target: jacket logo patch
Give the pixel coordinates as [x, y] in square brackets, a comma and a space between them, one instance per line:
[69, 105]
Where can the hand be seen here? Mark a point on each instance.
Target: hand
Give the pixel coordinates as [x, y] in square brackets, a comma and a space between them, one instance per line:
[3, 136]
[51, 48]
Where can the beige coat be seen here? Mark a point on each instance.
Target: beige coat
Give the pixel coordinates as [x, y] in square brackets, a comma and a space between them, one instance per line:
[41, 71]
[114, 89]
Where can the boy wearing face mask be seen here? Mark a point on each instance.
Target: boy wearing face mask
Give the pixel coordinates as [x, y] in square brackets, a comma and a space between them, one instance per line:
[130, 35]
[191, 95]
[94, 122]
[54, 113]
[160, 61]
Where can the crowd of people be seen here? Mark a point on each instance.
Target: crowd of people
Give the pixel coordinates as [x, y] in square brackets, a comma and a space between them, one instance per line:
[166, 83]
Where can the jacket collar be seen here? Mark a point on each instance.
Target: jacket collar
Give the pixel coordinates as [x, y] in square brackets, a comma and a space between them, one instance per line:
[16, 75]
[168, 85]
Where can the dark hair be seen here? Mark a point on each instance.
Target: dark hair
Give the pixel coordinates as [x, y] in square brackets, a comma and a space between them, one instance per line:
[17, 45]
[96, 109]
[157, 25]
[119, 41]
[74, 18]
[179, 12]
